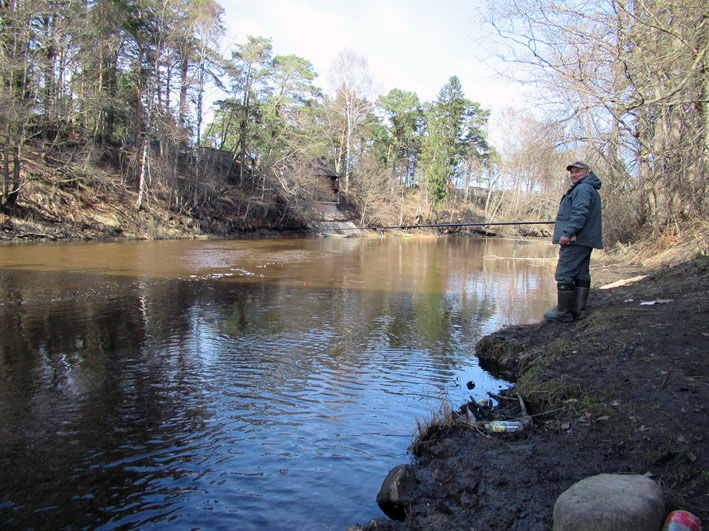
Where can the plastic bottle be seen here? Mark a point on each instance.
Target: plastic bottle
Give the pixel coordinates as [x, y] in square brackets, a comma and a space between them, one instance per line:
[682, 521]
[504, 426]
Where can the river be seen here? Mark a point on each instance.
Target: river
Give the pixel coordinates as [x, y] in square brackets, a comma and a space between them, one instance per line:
[238, 384]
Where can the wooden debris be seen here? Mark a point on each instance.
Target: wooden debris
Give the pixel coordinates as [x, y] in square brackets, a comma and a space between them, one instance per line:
[525, 420]
[624, 282]
[500, 397]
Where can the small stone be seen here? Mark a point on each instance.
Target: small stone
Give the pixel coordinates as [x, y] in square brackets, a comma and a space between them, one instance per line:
[610, 502]
[585, 417]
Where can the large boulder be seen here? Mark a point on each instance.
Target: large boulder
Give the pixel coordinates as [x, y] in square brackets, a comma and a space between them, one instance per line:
[396, 493]
[610, 502]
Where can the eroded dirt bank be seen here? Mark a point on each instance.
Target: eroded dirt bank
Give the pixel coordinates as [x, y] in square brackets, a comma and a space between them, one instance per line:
[95, 205]
[624, 390]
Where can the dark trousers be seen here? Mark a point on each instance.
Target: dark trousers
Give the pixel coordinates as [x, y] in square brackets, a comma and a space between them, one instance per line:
[573, 264]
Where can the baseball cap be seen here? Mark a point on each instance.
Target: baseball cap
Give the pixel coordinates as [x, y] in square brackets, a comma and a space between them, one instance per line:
[578, 164]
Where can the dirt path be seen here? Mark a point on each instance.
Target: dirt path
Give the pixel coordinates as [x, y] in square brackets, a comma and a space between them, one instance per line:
[624, 390]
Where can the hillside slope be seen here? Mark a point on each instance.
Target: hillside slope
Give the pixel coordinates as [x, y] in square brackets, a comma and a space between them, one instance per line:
[67, 201]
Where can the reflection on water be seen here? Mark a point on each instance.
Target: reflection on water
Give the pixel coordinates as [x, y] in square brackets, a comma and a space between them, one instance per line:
[237, 384]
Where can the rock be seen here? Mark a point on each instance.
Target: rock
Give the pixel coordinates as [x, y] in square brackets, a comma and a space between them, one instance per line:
[610, 502]
[394, 496]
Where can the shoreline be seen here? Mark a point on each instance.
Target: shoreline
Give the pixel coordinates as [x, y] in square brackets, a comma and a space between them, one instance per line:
[624, 390]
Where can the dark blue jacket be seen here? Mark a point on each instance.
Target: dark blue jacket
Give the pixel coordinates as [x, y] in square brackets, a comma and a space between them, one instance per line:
[580, 214]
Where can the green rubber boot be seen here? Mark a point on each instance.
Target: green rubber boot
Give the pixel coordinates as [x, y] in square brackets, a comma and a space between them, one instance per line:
[581, 295]
[564, 311]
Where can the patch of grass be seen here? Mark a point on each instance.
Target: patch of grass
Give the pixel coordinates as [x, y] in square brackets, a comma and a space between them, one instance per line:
[439, 423]
[492, 348]
[701, 379]
[603, 317]
[541, 393]
[557, 347]
[674, 484]
[665, 453]
[585, 403]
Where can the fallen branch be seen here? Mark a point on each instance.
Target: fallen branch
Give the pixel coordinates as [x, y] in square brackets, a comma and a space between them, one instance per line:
[624, 282]
[525, 416]
[546, 412]
[38, 235]
[500, 397]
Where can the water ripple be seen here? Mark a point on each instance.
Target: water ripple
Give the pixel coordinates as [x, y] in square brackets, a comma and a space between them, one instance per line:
[272, 388]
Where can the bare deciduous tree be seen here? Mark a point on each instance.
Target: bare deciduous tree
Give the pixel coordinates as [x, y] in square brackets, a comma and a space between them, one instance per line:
[353, 85]
[627, 82]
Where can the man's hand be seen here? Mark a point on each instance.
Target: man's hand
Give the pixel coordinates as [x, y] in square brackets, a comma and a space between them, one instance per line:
[564, 240]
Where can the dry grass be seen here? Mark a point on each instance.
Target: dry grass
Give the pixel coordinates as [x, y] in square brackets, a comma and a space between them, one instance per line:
[439, 423]
[543, 394]
[673, 246]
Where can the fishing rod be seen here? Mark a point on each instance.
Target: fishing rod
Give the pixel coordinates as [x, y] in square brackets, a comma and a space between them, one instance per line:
[441, 225]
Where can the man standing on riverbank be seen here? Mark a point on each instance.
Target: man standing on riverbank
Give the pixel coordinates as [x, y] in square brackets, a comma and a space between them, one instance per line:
[578, 230]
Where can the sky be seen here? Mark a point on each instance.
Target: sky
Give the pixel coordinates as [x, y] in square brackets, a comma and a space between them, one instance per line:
[413, 45]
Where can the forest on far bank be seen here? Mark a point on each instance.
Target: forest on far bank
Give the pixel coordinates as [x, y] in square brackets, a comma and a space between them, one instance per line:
[112, 96]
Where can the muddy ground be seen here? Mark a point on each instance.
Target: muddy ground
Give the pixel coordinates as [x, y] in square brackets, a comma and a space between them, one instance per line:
[625, 390]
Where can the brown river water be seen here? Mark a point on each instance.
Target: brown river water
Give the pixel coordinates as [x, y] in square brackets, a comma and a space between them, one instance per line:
[238, 384]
